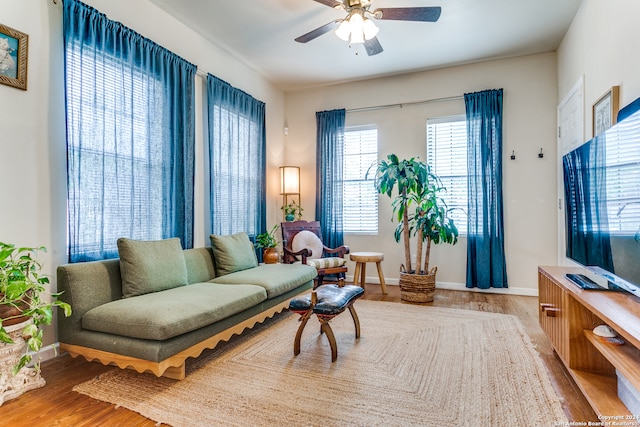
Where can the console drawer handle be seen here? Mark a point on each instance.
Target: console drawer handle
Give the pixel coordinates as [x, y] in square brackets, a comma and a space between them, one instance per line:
[549, 309]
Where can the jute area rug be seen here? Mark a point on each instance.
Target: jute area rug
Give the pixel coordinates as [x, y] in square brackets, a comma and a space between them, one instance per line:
[412, 366]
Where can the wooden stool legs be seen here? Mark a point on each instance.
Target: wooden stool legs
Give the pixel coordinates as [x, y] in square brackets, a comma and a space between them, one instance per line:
[361, 259]
[326, 329]
[381, 276]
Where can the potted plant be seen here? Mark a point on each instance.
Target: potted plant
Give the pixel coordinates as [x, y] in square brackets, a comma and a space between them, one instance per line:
[292, 211]
[25, 305]
[422, 213]
[267, 242]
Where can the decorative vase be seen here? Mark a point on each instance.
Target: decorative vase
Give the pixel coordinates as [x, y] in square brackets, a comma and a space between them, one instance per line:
[12, 386]
[418, 287]
[270, 255]
[289, 217]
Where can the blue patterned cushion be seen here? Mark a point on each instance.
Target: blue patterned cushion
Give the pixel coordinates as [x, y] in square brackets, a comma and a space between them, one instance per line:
[332, 300]
[327, 262]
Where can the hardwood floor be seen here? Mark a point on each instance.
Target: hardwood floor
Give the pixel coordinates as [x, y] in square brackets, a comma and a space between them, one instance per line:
[57, 405]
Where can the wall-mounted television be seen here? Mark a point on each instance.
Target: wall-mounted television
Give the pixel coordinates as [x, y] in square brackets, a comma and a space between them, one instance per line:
[602, 207]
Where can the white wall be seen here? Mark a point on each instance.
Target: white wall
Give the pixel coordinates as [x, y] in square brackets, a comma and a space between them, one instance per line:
[32, 141]
[600, 47]
[530, 98]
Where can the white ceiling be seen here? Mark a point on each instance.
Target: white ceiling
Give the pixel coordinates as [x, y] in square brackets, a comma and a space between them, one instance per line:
[261, 34]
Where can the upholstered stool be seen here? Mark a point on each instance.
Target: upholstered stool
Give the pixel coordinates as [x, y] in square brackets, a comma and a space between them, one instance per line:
[361, 259]
[326, 302]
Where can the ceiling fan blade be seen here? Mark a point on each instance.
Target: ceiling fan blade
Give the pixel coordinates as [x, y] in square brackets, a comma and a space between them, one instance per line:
[319, 31]
[331, 3]
[424, 14]
[373, 46]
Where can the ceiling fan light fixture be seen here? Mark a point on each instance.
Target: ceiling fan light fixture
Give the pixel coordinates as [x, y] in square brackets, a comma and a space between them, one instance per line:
[356, 29]
[357, 37]
[369, 29]
[344, 30]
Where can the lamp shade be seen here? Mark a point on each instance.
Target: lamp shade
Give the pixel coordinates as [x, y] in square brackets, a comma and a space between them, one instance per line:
[289, 180]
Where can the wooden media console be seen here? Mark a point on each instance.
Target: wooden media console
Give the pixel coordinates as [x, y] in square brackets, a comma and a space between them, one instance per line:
[568, 315]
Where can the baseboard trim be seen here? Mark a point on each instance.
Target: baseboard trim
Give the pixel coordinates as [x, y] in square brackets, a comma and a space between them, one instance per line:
[512, 290]
[46, 353]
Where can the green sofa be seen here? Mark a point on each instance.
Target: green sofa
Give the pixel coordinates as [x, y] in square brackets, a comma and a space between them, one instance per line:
[158, 305]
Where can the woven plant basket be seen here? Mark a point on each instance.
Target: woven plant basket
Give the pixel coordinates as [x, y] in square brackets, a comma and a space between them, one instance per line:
[418, 287]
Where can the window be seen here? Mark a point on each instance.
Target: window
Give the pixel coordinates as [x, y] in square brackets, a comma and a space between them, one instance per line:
[130, 137]
[360, 199]
[237, 150]
[622, 158]
[447, 156]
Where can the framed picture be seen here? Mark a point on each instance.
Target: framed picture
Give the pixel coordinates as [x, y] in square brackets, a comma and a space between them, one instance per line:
[605, 110]
[13, 57]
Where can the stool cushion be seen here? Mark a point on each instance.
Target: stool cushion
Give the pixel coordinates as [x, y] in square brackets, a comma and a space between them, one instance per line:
[327, 262]
[332, 300]
[307, 240]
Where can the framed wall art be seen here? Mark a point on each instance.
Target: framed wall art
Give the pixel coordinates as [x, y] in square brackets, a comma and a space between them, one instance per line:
[14, 47]
[605, 110]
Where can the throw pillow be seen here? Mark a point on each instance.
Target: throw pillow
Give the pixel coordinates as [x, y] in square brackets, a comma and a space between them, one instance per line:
[151, 265]
[233, 253]
[308, 240]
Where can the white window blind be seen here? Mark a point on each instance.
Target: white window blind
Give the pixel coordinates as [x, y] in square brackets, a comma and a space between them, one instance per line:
[360, 199]
[622, 159]
[447, 156]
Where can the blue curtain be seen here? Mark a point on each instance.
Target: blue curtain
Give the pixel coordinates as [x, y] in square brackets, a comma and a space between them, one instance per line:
[486, 264]
[588, 239]
[237, 156]
[130, 136]
[329, 175]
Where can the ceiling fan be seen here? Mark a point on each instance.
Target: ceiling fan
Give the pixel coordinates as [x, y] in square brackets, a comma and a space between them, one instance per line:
[358, 28]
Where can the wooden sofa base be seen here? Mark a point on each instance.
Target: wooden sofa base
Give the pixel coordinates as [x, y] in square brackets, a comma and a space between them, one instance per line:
[174, 366]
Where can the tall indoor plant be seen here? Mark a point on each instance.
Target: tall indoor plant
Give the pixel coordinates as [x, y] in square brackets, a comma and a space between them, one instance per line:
[422, 213]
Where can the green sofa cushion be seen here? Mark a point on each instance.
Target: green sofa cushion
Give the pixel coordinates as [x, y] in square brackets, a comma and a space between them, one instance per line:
[233, 253]
[167, 314]
[151, 266]
[276, 279]
[200, 266]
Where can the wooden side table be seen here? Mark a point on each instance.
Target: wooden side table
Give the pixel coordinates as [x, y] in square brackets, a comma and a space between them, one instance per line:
[361, 259]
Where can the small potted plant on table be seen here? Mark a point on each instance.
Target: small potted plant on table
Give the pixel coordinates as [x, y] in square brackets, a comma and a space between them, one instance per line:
[268, 243]
[292, 211]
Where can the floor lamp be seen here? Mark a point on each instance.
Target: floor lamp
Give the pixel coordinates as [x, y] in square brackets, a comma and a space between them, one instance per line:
[289, 184]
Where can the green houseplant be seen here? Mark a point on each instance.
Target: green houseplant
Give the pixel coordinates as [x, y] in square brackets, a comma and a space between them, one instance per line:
[267, 242]
[23, 299]
[292, 211]
[421, 213]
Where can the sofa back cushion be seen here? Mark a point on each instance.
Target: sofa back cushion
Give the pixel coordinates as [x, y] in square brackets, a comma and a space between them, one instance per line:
[200, 266]
[233, 253]
[151, 266]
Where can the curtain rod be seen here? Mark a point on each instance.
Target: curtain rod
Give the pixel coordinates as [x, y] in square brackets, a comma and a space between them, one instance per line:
[405, 104]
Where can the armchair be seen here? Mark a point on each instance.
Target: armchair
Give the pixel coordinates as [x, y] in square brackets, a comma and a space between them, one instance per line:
[302, 242]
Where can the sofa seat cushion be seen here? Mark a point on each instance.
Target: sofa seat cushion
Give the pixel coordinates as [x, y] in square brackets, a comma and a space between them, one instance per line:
[332, 262]
[276, 279]
[173, 312]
